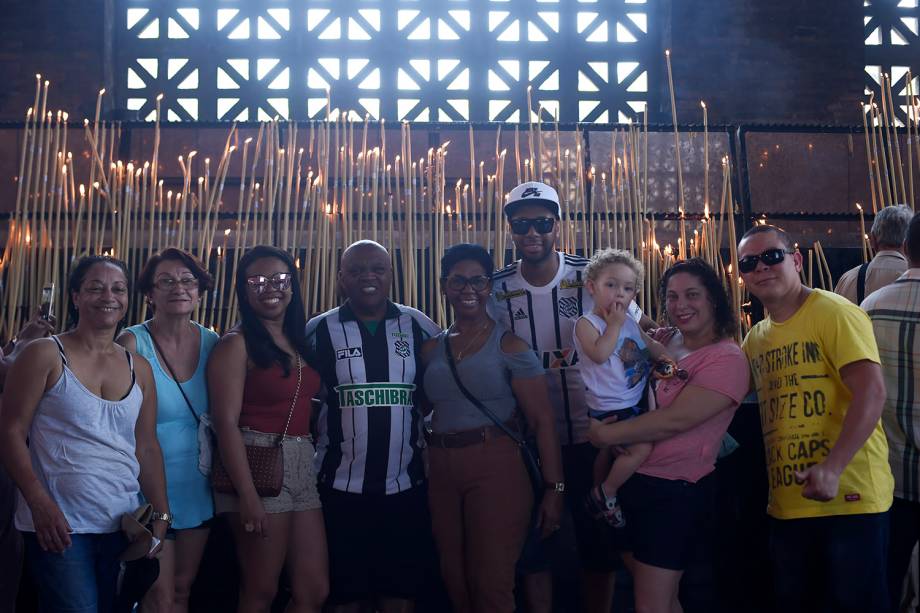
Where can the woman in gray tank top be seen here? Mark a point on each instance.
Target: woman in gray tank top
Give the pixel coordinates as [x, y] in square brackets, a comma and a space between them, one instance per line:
[88, 411]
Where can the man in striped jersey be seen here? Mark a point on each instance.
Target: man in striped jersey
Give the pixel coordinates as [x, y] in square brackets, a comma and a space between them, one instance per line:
[369, 463]
[539, 297]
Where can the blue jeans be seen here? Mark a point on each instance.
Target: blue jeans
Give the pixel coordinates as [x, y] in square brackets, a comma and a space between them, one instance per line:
[80, 580]
[830, 564]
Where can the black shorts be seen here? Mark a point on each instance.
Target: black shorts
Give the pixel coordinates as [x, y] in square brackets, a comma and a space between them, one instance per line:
[665, 519]
[379, 546]
[594, 541]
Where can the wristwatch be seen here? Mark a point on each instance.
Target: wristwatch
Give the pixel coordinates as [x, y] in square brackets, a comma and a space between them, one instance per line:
[558, 487]
[167, 517]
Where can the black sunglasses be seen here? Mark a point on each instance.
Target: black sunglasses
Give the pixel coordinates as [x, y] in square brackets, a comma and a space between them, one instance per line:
[458, 282]
[522, 225]
[770, 257]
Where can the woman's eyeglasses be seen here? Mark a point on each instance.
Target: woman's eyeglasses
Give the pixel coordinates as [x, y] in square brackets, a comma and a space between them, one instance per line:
[458, 282]
[543, 225]
[280, 281]
[770, 257]
[168, 284]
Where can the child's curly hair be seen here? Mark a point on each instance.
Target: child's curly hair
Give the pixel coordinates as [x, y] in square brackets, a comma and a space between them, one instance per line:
[603, 258]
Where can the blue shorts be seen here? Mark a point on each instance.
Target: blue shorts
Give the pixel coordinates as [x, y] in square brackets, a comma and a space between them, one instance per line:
[620, 414]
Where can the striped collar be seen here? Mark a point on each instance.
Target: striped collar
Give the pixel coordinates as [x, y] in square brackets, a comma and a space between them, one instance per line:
[347, 314]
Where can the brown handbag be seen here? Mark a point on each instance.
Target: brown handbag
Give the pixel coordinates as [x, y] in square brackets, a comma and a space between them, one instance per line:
[266, 464]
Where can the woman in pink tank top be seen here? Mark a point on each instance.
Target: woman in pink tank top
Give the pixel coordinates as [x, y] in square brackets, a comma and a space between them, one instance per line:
[668, 500]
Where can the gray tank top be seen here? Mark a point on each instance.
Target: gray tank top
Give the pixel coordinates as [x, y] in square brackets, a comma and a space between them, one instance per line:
[83, 453]
[487, 374]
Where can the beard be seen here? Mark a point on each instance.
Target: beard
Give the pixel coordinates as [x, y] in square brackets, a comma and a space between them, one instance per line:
[546, 252]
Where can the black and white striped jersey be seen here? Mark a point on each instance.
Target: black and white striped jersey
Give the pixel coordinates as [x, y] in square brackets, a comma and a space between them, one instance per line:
[369, 433]
[545, 318]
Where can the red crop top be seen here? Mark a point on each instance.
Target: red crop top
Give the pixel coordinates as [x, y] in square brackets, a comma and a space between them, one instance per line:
[267, 398]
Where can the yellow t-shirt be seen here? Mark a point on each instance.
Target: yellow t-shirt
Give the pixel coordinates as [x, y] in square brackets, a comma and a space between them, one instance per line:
[796, 367]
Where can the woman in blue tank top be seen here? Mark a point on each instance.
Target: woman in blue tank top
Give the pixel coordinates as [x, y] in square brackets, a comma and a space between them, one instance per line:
[177, 348]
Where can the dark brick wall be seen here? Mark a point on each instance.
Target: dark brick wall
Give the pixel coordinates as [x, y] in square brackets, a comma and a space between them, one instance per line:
[767, 61]
[752, 60]
[62, 40]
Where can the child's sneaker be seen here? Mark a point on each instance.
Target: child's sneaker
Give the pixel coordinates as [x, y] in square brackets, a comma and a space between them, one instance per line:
[604, 508]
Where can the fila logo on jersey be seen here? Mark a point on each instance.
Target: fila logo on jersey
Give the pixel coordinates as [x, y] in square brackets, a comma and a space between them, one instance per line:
[401, 347]
[568, 307]
[520, 314]
[353, 395]
[530, 191]
[348, 353]
[560, 358]
[509, 295]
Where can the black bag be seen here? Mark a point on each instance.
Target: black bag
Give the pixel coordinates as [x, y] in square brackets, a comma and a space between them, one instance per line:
[528, 447]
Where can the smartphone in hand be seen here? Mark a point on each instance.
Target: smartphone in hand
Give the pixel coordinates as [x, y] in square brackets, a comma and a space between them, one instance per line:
[47, 305]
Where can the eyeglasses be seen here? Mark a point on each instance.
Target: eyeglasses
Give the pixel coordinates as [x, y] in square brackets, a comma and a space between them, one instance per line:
[457, 283]
[281, 281]
[770, 257]
[168, 284]
[522, 225]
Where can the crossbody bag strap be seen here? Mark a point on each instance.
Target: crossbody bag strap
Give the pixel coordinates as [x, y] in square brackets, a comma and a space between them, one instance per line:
[475, 401]
[156, 345]
[293, 401]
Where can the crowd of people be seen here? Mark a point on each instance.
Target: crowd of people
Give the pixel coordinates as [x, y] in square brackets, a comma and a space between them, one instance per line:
[349, 450]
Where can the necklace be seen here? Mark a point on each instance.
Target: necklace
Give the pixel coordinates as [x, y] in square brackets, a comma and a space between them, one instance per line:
[469, 343]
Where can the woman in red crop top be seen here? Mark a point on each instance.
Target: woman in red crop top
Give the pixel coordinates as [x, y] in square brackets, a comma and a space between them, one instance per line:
[252, 380]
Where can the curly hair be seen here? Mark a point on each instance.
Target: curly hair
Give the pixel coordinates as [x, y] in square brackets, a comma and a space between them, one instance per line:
[75, 281]
[726, 323]
[466, 251]
[603, 258]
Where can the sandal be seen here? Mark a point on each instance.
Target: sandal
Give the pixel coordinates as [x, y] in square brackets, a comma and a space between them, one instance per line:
[603, 508]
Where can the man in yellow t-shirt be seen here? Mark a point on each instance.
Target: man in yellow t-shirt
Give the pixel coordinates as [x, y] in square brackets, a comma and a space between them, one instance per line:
[815, 368]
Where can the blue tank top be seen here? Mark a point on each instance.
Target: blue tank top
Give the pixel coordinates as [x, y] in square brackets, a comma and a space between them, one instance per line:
[188, 490]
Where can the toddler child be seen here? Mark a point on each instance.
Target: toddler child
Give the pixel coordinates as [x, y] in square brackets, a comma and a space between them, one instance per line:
[615, 359]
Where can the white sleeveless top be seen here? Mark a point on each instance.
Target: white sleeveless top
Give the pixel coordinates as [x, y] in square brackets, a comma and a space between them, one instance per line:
[619, 382]
[83, 453]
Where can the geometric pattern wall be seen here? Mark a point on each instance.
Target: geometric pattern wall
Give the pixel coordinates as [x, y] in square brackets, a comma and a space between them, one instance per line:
[421, 60]
[891, 29]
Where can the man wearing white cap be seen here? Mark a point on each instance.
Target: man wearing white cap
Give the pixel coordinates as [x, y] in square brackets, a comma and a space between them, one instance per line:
[539, 297]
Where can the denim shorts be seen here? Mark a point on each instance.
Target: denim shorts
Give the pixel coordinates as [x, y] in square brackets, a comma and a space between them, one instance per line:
[83, 578]
[298, 490]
